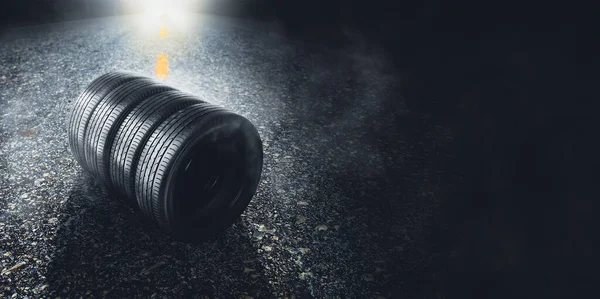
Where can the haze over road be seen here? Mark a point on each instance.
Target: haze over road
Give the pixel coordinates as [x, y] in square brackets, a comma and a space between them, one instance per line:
[343, 209]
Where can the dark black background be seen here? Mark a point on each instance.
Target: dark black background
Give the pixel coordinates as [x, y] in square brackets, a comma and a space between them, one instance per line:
[508, 78]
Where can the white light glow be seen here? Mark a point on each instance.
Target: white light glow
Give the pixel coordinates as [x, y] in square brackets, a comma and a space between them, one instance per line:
[177, 15]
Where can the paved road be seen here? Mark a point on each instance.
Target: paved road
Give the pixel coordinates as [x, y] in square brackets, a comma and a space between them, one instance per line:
[350, 187]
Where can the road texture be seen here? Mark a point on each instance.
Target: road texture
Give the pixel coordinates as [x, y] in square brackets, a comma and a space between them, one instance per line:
[349, 191]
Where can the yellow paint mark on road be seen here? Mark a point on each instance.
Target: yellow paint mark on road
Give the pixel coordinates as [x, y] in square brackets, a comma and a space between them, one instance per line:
[163, 32]
[162, 65]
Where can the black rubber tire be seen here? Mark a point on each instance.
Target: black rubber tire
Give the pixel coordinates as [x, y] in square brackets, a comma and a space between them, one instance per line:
[133, 134]
[156, 147]
[190, 166]
[82, 116]
[107, 120]
[98, 115]
[78, 107]
[165, 174]
[85, 104]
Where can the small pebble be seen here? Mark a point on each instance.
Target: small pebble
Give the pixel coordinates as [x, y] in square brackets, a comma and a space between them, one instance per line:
[368, 277]
[264, 229]
[259, 235]
[17, 266]
[300, 219]
[304, 275]
[321, 227]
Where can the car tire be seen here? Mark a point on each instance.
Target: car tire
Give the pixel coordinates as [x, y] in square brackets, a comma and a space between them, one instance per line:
[188, 166]
[133, 134]
[177, 163]
[85, 106]
[107, 119]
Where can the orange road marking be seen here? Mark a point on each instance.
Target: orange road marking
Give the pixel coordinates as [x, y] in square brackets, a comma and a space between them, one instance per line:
[163, 32]
[162, 66]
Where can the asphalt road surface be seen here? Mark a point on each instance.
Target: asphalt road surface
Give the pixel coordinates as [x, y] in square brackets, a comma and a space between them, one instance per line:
[350, 186]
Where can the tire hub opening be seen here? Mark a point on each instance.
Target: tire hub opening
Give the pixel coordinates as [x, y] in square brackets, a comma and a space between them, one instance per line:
[211, 181]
